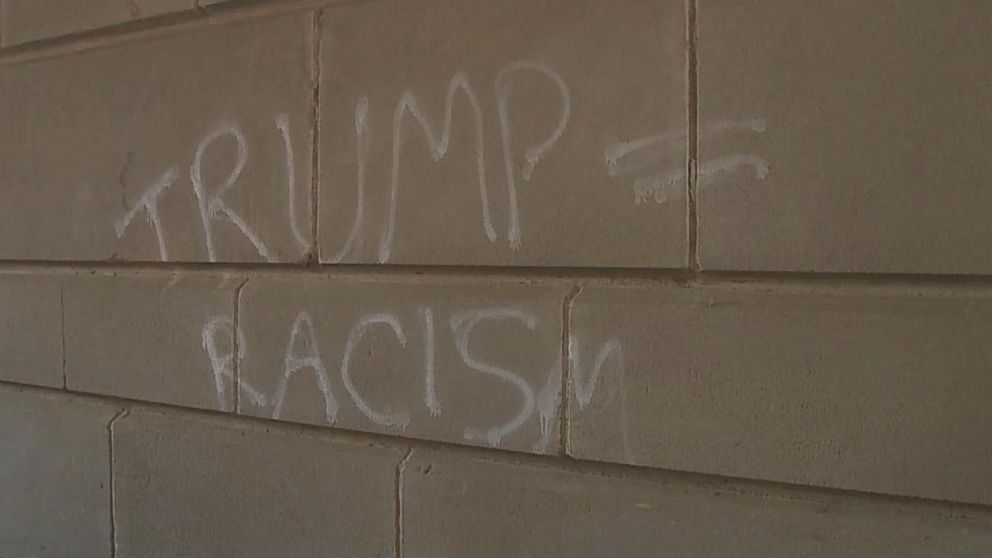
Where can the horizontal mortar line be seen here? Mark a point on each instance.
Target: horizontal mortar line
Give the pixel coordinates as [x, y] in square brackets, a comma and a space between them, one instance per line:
[775, 490]
[161, 25]
[552, 274]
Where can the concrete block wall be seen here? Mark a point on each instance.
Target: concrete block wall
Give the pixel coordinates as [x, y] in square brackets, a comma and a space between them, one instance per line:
[495, 278]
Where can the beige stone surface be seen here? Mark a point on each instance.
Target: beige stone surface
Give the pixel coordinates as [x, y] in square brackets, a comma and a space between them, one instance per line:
[873, 120]
[201, 487]
[31, 329]
[22, 21]
[181, 156]
[474, 363]
[870, 390]
[456, 506]
[154, 338]
[54, 476]
[425, 106]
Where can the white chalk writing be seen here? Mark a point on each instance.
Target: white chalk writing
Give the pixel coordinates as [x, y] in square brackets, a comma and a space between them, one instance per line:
[303, 324]
[211, 205]
[469, 335]
[439, 147]
[438, 141]
[585, 385]
[401, 419]
[149, 203]
[463, 325]
[640, 158]
[362, 140]
[282, 124]
[533, 153]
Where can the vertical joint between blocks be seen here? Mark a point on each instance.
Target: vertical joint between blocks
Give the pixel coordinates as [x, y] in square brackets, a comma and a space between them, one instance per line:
[400, 468]
[315, 44]
[692, 131]
[236, 348]
[65, 379]
[566, 372]
[112, 479]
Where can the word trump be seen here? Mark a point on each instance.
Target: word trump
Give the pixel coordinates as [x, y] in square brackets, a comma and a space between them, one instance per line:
[212, 208]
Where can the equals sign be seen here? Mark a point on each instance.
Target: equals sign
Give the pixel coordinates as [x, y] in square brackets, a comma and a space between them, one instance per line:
[642, 158]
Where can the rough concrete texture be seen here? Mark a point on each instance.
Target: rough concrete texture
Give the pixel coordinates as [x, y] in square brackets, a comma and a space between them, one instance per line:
[872, 150]
[54, 476]
[153, 338]
[533, 130]
[871, 391]
[459, 362]
[31, 20]
[464, 507]
[515, 280]
[198, 487]
[194, 151]
[31, 329]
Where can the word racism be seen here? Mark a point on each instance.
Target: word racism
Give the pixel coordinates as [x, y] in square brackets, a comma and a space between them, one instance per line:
[303, 354]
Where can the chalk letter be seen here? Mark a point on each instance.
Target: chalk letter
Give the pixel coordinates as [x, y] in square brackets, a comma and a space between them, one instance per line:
[462, 325]
[282, 123]
[223, 363]
[438, 147]
[548, 402]
[149, 203]
[362, 142]
[430, 389]
[585, 387]
[357, 332]
[533, 153]
[293, 363]
[213, 206]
